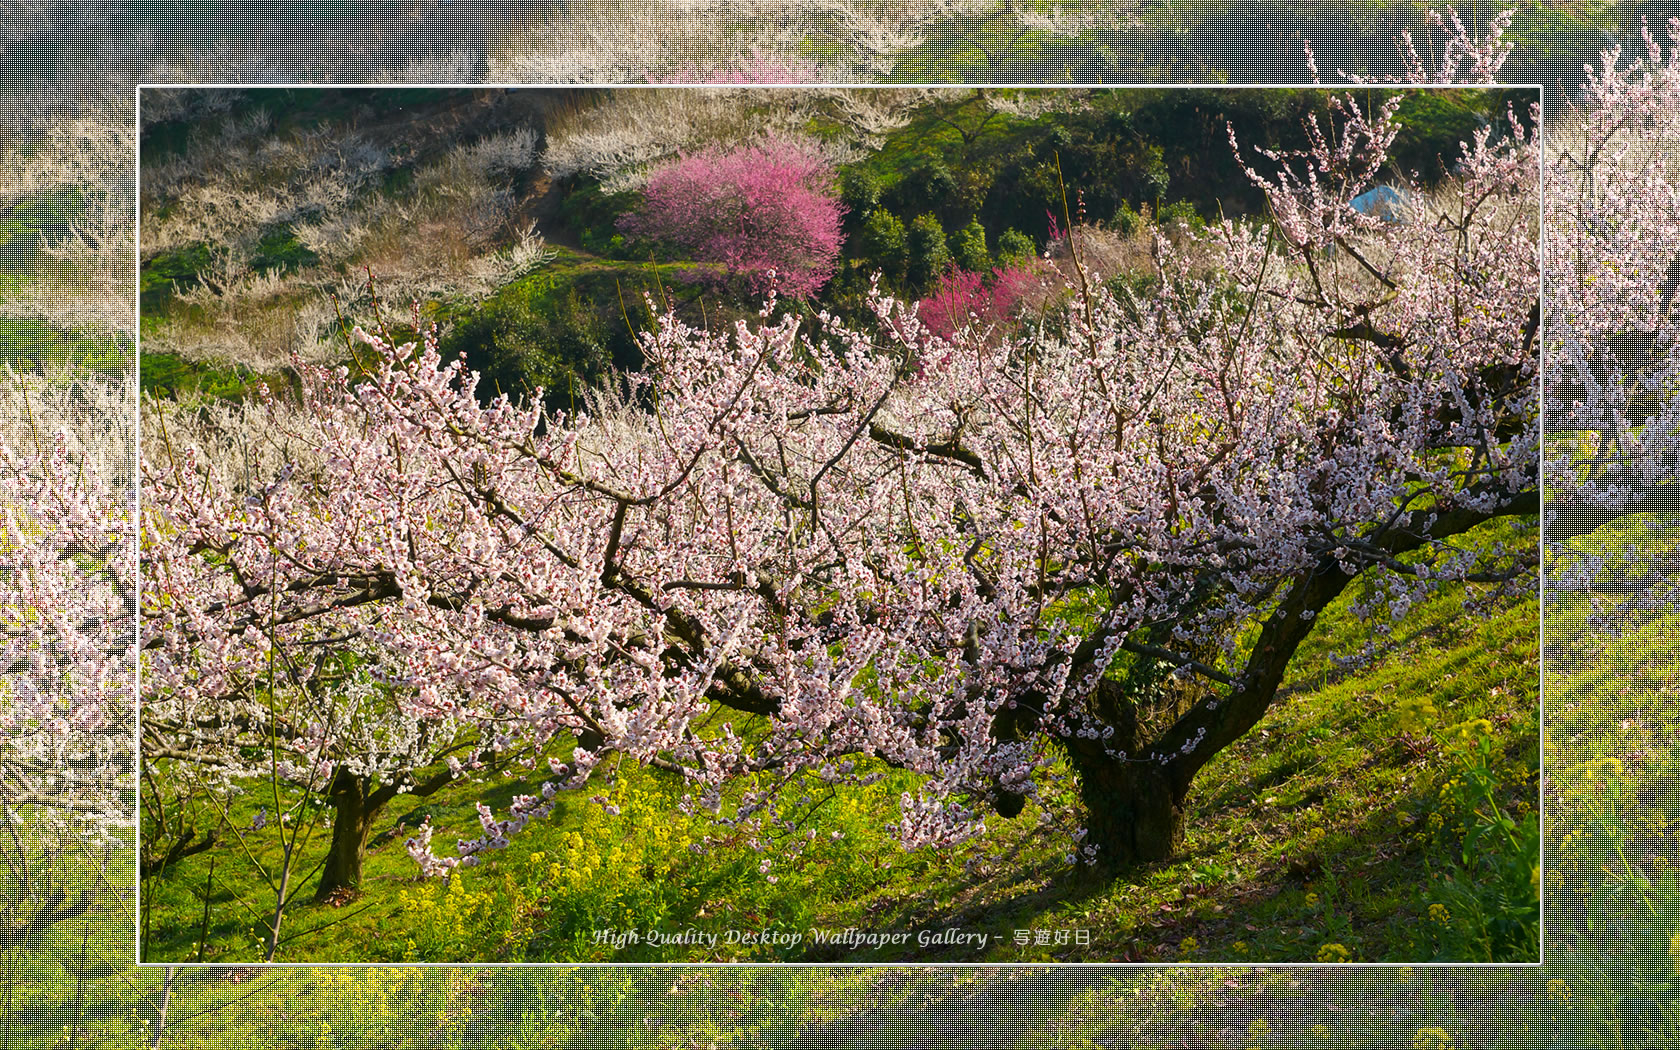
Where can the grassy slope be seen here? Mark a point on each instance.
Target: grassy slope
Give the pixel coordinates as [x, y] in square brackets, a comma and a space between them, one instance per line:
[1310, 831]
[1613, 774]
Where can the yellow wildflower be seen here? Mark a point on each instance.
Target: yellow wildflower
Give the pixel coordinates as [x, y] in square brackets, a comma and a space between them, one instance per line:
[1432, 1038]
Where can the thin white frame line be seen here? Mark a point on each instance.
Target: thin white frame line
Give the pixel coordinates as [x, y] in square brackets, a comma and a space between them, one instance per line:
[1326, 86]
[139, 403]
[1540, 481]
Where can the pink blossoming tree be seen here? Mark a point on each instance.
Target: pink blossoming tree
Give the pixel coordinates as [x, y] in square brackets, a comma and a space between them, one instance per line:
[749, 211]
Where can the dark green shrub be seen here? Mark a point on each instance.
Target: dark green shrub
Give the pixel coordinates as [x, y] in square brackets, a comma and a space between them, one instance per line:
[1014, 247]
[1178, 212]
[860, 191]
[928, 255]
[968, 247]
[884, 245]
[1127, 221]
[537, 333]
[928, 187]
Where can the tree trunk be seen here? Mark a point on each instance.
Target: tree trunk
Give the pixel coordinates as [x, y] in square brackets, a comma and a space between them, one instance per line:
[353, 815]
[356, 805]
[1134, 812]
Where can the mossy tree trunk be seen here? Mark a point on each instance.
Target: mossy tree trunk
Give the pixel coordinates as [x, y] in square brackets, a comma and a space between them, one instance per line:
[1134, 811]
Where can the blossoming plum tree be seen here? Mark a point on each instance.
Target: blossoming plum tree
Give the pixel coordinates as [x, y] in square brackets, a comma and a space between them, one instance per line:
[67, 656]
[1612, 372]
[809, 550]
[753, 210]
[303, 701]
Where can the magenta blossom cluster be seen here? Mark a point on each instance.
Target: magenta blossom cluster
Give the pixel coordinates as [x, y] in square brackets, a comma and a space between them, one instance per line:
[965, 297]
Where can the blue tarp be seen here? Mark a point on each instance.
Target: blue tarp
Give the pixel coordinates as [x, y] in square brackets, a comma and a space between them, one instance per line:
[1384, 202]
